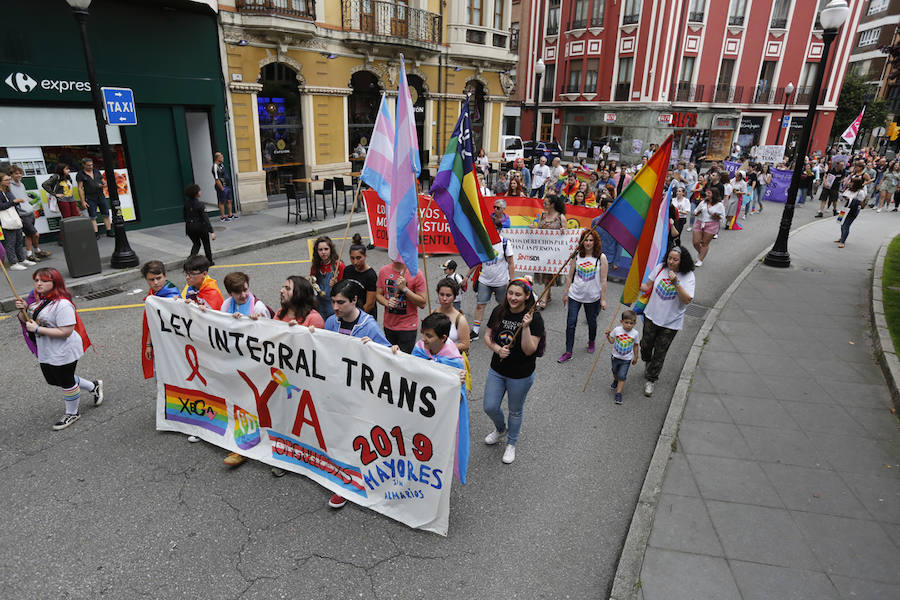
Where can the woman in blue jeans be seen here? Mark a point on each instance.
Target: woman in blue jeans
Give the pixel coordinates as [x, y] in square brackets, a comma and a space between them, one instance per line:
[585, 286]
[512, 366]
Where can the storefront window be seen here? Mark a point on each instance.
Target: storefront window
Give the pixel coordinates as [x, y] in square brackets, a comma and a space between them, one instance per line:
[363, 107]
[749, 132]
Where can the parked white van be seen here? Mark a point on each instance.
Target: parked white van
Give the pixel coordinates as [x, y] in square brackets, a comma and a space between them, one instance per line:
[511, 148]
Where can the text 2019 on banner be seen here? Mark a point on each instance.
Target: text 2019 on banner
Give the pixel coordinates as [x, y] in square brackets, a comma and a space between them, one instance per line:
[376, 428]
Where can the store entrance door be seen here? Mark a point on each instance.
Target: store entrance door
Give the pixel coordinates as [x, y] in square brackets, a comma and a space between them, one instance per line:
[200, 143]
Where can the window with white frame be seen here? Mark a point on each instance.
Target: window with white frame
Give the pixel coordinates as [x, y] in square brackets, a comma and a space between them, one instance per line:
[877, 6]
[736, 12]
[869, 37]
[553, 18]
[590, 76]
[696, 11]
[498, 13]
[597, 12]
[474, 10]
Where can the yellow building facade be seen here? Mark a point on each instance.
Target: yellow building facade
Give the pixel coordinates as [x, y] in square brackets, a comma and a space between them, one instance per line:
[305, 80]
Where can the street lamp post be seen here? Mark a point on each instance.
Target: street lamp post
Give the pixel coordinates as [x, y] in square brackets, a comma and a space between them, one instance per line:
[123, 256]
[539, 69]
[832, 18]
[788, 90]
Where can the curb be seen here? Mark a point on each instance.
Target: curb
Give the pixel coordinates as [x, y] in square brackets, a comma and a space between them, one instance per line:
[885, 352]
[626, 582]
[123, 276]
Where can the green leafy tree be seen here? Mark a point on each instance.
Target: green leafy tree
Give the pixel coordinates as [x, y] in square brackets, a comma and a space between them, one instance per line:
[850, 102]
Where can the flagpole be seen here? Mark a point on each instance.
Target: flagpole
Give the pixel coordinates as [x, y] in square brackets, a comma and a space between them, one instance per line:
[422, 243]
[12, 287]
[597, 358]
[350, 218]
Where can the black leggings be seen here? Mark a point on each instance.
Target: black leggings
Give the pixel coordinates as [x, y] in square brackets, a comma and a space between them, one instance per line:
[198, 237]
[60, 375]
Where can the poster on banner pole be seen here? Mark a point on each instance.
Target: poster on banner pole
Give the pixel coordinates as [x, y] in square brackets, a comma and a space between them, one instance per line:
[541, 250]
[770, 154]
[375, 427]
[777, 191]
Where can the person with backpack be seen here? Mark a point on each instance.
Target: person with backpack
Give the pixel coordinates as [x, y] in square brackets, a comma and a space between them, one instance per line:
[585, 286]
[196, 223]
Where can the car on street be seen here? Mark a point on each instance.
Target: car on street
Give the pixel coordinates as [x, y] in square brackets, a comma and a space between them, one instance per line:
[550, 150]
[511, 148]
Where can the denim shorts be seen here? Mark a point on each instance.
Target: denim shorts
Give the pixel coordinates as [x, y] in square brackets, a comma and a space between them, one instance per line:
[486, 291]
[620, 368]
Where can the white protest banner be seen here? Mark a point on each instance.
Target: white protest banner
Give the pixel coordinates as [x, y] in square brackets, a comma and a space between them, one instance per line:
[377, 428]
[541, 250]
[770, 154]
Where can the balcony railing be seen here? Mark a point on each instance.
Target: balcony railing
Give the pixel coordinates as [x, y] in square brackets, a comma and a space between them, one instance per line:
[297, 9]
[578, 24]
[573, 88]
[552, 28]
[696, 17]
[688, 93]
[597, 21]
[778, 23]
[623, 92]
[378, 17]
[736, 21]
[630, 19]
[723, 93]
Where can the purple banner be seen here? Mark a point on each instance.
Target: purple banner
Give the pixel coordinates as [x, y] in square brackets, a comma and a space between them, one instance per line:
[732, 167]
[777, 190]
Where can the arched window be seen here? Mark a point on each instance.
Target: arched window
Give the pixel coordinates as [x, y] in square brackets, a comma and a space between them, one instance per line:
[280, 124]
[476, 112]
[363, 107]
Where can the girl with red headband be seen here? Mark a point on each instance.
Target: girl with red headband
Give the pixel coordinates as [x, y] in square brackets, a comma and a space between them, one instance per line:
[56, 335]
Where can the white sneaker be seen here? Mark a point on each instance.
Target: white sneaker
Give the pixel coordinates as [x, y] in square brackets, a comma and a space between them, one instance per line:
[493, 437]
[31, 263]
[715, 237]
[648, 389]
[878, 210]
[699, 263]
[690, 228]
[509, 455]
[193, 439]
[18, 267]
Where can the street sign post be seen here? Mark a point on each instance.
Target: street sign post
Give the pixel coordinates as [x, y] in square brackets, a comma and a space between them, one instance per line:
[786, 121]
[118, 106]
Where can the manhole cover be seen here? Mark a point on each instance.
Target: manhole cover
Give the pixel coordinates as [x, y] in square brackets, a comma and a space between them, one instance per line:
[696, 310]
[103, 294]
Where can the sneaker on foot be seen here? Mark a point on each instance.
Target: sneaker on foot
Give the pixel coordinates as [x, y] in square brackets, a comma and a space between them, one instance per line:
[618, 397]
[613, 384]
[223, 219]
[337, 501]
[648, 389]
[690, 228]
[565, 356]
[818, 215]
[29, 263]
[699, 263]
[878, 210]
[715, 237]
[473, 336]
[234, 459]
[43, 254]
[110, 233]
[98, 392]
[591, 347]
[193, 439]
[18, 267]
[235, 216]
[278, 472]
[509, 455]
[66, 420]
[833, 213]
[494, 437]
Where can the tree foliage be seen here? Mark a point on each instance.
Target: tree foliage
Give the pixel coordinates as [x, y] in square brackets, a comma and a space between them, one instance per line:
[850, 102]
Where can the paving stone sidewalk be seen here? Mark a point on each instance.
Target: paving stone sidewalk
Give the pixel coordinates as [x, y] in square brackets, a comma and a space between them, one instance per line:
[785, 482]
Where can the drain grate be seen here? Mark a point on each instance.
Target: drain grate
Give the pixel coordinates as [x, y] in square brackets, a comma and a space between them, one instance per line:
[103, 293]
[812, 270]
[696, 310]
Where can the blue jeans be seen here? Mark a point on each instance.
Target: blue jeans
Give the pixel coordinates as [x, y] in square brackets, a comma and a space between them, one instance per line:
[801, 195]
[591, 310]
[845, 226]
[515, 390]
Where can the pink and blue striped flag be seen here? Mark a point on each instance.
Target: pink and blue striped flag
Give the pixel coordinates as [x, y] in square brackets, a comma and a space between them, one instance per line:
[403, 207]
[456, 192]
[376, 172]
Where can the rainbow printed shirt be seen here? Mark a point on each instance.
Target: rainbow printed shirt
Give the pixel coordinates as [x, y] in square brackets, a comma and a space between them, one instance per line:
[587, 270]
[665, 289]
[623, 342]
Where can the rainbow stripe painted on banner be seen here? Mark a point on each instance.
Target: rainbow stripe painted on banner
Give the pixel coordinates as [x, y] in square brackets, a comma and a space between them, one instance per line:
[196, 408]
[246, 428]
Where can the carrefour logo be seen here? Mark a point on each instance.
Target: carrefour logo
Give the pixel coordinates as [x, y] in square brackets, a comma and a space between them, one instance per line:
[24, 83]
[21, 82]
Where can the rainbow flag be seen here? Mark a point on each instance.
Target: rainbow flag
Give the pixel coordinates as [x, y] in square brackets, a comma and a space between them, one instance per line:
[403, 208]
[455, 190]
[657, 256]
[627, 219]
[197, 408]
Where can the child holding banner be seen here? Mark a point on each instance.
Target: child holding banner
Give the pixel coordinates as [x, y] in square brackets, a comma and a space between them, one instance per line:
[512, 366]
[154, 273]
[347, 318]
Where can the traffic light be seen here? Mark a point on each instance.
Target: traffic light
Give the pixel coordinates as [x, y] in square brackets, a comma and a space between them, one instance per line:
[892, 131]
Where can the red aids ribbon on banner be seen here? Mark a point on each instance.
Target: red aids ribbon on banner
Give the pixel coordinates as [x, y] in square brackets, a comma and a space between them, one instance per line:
[190, 354]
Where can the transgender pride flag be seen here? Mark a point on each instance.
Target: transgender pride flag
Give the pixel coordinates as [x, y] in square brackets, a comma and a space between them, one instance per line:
[403, 218]
[376, 172]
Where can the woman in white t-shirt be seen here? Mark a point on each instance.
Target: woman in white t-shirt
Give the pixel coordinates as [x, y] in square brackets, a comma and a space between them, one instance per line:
[671, 290]
[735, 199]
[709, 213]
[53, 328]
[585, 286]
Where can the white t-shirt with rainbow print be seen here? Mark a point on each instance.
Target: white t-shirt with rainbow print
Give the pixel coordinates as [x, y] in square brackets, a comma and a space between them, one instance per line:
[623, 342]
[664, 308]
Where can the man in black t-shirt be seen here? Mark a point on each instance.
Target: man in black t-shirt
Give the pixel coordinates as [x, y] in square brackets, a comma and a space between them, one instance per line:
[91, 185]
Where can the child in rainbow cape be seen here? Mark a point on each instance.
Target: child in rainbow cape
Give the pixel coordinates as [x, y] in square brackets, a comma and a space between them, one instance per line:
[435, 345]
[154, 272]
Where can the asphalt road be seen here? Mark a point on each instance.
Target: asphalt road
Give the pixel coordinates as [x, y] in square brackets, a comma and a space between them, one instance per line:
[112, 508]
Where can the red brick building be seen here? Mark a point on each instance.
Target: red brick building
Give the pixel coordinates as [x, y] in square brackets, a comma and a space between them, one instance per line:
[713, 72]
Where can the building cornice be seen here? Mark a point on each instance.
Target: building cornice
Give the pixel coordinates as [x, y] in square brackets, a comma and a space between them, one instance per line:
[245, 88]
[325, 91]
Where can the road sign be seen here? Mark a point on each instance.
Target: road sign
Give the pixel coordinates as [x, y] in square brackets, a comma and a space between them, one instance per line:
[118, 105]
[785, 121]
